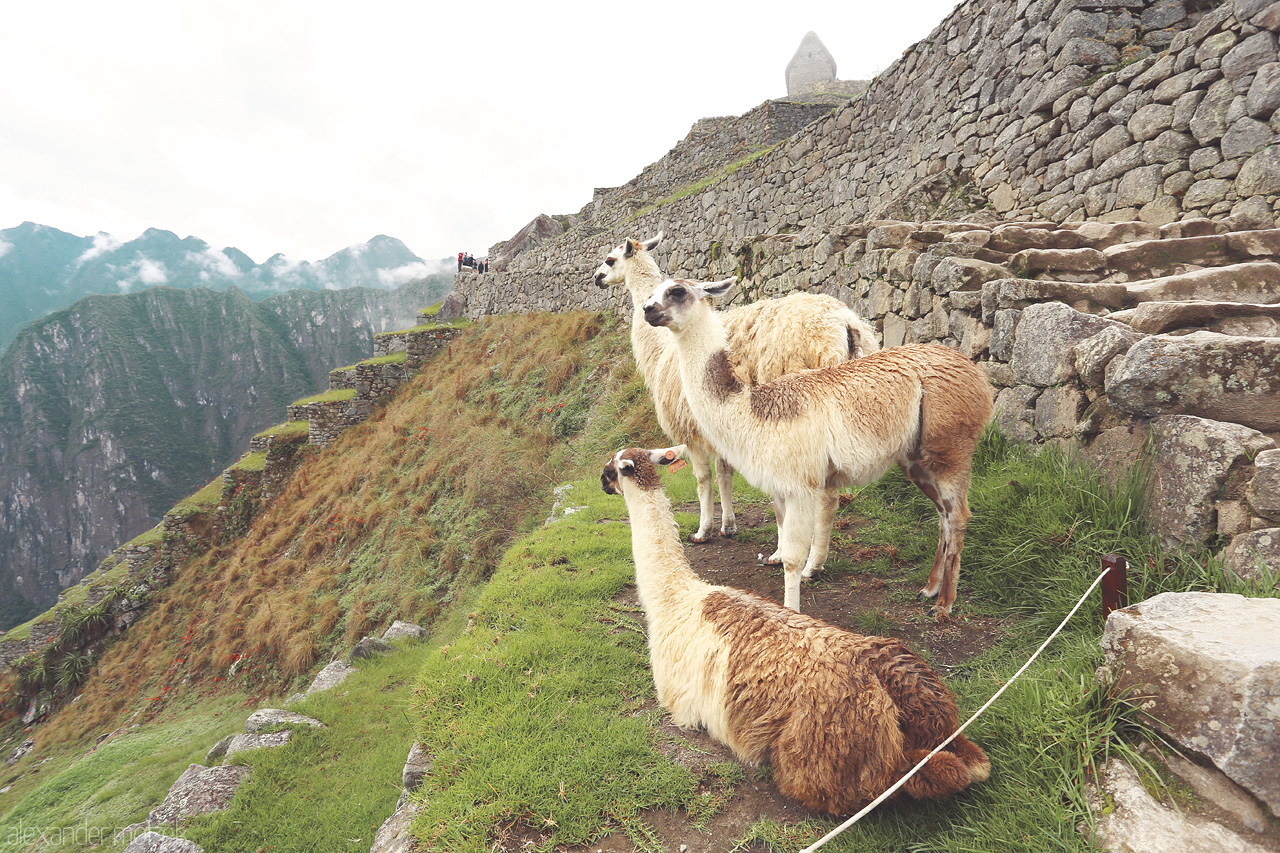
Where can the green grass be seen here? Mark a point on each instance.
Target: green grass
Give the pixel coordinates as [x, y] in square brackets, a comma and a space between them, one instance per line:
[391, 358]
[327, 789]
[698, 186]
[286, 429]
[545, 636]
[337, 396]
[205, 499]
[79, 798]
[251, 462]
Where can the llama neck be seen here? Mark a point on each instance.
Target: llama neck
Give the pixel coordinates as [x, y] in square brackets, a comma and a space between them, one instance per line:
[646, 341]
[662, 571]
[705, 361]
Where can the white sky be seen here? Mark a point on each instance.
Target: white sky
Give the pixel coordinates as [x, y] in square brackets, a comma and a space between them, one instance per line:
[304, 126]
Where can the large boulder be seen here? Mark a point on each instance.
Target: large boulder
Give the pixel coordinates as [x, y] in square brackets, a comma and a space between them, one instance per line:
[1045, 341]
[331, 676]
[1205, 668]
[394, 836]
[199, 791]
[1233, 318]
[1195, 461]
[154, 842]
[1223, 377]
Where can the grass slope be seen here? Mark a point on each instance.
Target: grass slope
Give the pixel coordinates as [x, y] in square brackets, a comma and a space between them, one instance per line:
[534, 694]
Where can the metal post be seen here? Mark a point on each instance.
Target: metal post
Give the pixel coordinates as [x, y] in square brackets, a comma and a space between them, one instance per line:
[1115, 585]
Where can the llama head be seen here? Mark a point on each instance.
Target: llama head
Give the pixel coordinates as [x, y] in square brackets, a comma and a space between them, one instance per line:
[638, 466]
[614, 269]
[675, 301]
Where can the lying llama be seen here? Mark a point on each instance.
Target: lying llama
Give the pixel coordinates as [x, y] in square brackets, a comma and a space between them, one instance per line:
[840, 716]
[923, 406]
[771, 338]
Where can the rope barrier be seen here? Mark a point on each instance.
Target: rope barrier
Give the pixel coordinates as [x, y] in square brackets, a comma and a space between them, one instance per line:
[893, 789]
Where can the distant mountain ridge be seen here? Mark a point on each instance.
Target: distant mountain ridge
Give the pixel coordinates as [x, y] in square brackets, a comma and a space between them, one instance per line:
[43, 270]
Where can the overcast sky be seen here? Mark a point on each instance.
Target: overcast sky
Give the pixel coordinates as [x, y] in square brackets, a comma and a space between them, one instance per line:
[304, 127]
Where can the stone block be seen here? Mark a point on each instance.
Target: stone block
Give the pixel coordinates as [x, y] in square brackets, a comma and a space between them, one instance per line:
[953, 274]
[1101, 235]
[1057, 411]
[1260, 174]
[1205, 374]
[1044, 350]
[416, 765]
[1155, 318]
[1093, 354]
[1058, 260]
[153, 842]
[1192, 461]
[1207, 669]
[259, 740]
[404, 631]
[1242, 62]
[1256, 281]
[1264, 491]
[1255, 555]
[1015, 412]
[331, 676]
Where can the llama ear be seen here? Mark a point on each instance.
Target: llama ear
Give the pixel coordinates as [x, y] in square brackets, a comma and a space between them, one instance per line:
[666, 455]
[631, 247]
[652, 242]
[719, 288]
[626, 466]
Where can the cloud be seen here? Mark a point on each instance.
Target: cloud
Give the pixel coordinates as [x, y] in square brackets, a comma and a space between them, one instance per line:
[214, 262]
[143, 273]
[5, 248]
[102, 243]
[393, 278]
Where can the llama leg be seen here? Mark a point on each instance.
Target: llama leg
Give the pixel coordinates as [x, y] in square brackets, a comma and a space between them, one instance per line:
[953, 519]
[945, 774]
[780, 515]
[706, 502]
[796, 539]
[822, 532]
[724, 479]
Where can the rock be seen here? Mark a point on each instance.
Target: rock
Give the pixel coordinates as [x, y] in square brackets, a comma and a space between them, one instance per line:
[1242, 62]
[452, 307]
[1162, 254]
[199, 791]
[1260, 174]
[417, 765]
[154, 842]
[1255, 281]
[394, 835]
[1247, 136]
[1043, 352]
[1206, 374]
[20, 751]
[269, 718]
[1094, 353]
[1154, 318]
[1014, 413]
[218, 751]
[250, 742]
[403, 631]
[1137, 823]
[1252, 553]
[1213, 786]
[1063, 260]
[1264, 93]
[1264, 491]
[1058, 411]
[1192, 462]
[367, 648]
[331, 676]
[1101, 235]
[1208, 669]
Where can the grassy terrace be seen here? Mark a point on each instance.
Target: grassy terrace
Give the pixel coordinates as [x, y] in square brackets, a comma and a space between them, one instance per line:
[286, 430]
[251, 462]
[392, 358]
[338, 396]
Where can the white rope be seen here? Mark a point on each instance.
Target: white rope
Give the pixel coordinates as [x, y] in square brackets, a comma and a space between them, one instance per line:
[880, 799]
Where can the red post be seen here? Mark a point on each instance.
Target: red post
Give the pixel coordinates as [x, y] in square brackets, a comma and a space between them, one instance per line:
[1115, 584]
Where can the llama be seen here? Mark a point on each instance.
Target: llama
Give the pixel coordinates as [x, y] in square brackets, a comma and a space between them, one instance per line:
[772, 337]
[923, 406]
[840, 716]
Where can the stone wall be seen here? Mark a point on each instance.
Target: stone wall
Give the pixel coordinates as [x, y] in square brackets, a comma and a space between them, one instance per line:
[1045, 110]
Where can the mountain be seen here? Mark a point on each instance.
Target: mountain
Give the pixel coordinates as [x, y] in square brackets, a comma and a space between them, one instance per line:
[117, 407]
[43, 269]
